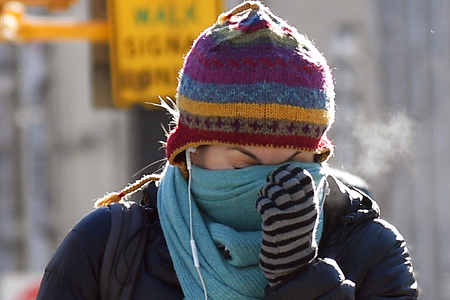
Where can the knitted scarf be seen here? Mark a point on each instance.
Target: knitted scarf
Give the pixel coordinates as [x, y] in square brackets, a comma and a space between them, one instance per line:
[223, 213]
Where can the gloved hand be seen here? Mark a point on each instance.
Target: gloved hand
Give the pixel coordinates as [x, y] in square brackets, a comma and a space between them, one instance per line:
[289, 210]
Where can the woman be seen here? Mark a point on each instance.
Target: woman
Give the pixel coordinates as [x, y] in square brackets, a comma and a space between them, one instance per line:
[246, 207]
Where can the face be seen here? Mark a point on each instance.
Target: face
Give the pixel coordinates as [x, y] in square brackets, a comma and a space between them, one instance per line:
[224, 157]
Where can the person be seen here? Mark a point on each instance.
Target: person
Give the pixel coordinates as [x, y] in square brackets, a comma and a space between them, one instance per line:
[246, 206]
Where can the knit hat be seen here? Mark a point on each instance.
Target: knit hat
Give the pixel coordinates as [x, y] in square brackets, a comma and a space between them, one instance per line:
[253, 80]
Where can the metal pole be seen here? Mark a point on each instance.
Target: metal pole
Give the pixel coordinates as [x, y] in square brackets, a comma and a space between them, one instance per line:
[439, 33]
[32, 123]
[8, 170]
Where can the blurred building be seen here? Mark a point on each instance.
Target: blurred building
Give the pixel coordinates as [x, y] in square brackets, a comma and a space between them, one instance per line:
[391, 65]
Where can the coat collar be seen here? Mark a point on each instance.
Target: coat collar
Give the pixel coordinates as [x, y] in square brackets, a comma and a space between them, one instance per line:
[344, 207]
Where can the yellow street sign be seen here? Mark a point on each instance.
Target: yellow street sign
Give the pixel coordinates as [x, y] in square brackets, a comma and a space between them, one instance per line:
[148, 41]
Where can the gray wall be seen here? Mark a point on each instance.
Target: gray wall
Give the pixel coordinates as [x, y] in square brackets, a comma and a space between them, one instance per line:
[57, 152]
[90, 150]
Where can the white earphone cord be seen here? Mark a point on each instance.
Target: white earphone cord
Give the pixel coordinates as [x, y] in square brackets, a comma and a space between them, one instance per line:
[191, 227]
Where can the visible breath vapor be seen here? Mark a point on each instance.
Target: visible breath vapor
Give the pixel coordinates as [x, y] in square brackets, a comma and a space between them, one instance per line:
[383, 143]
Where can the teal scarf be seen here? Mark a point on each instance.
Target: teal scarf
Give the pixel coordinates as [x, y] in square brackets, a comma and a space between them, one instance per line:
[229, 196]
[223, 212]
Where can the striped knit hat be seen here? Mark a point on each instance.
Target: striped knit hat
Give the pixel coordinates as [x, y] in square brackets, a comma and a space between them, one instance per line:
[253, 80]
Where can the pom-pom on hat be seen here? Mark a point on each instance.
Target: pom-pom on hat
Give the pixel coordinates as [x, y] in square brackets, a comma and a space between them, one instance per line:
[253, 80]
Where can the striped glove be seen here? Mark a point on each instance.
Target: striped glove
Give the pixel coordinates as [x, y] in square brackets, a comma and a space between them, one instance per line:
[288, 206]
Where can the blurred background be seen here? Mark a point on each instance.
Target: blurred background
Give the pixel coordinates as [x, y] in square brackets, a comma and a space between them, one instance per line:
[64, 142]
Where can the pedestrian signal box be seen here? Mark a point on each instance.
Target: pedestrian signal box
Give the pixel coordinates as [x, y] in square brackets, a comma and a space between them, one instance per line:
[148, 40]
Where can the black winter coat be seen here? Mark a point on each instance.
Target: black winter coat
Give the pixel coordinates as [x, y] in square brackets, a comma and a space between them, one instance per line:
[360, 257]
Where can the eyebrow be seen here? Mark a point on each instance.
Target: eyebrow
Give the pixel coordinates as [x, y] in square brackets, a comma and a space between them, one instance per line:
[253, 156]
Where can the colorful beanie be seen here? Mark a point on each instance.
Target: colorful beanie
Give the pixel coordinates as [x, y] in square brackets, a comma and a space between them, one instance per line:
[253, 80]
